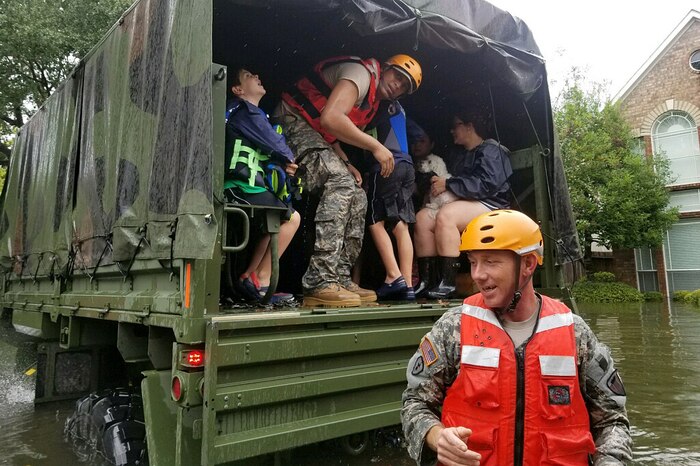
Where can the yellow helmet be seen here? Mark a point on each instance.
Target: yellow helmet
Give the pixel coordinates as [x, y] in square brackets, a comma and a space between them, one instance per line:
[504, 229]
[409, 68]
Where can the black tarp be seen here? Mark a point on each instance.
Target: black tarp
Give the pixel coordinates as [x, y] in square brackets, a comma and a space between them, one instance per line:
[473, 55]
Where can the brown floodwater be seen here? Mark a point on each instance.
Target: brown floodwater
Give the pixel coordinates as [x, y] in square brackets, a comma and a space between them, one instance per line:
[656, 347]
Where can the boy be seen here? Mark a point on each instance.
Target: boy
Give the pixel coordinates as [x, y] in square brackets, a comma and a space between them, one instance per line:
[390, 204]
[253, 149]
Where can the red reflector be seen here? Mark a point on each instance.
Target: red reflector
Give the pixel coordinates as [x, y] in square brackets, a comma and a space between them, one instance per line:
[194, 358]
[176, 388]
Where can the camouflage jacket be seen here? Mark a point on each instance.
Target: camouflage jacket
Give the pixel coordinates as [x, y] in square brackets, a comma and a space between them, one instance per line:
[599, 381]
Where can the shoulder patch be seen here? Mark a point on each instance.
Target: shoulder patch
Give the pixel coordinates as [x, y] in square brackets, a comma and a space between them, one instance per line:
[418, 366]
[428, 351]
[615, 384]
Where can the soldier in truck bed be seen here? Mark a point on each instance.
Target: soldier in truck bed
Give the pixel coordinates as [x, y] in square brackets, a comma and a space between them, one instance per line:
[329, 105]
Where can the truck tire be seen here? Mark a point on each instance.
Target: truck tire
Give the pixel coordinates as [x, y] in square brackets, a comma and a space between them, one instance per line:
[109, 423]
[355, 444]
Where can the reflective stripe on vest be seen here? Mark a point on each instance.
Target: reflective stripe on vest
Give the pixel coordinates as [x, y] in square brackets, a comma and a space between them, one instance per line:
[251, 159]
[484, 397]
[310, 94]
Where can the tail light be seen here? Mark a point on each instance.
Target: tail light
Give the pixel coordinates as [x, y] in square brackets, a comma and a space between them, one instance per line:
[192, 358]
[176, 388]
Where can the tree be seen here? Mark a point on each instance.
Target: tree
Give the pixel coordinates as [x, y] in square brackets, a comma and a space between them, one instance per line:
[41, 41]
[619, 197]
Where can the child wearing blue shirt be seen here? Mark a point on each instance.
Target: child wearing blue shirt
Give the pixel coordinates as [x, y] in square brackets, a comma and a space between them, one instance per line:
[254, 149]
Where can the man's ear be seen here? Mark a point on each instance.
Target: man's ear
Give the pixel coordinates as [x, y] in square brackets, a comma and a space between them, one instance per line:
[529, 263]
[237, 90]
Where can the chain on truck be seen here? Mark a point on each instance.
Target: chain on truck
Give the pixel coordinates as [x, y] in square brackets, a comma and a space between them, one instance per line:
[118, 247]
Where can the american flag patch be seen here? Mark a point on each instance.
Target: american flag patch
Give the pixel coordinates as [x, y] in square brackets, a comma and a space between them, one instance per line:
[428, 351]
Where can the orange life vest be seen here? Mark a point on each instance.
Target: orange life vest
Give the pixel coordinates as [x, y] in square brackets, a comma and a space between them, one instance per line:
[311, 93]
[525, 410]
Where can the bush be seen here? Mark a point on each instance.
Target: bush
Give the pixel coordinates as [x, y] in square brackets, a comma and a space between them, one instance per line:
[653, 296]
[680, 295]
[603, 277]
[596, 292]
[693, 298]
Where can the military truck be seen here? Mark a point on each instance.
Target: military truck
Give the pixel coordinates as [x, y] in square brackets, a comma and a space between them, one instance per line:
[118, 246]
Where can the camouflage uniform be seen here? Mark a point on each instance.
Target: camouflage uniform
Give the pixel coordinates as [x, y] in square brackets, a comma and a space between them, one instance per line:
[427, 386]
[340, 216]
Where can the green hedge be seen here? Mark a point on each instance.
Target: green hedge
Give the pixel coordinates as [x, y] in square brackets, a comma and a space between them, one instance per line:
[690, 297]
[653, 296]
[587, 291]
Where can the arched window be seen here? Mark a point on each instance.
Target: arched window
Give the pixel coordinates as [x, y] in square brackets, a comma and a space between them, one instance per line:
[675, 136]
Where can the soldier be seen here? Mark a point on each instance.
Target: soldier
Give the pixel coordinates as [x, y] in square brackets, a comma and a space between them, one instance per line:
[512, 376]
[327, 106]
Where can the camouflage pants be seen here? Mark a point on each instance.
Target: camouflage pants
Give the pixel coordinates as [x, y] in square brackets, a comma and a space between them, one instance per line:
[340, 216]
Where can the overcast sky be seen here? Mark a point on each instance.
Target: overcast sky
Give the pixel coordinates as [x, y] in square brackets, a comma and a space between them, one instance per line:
[610, 39]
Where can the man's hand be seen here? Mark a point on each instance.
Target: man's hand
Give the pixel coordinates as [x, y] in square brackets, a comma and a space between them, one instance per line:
[385, 159]
[450, 443]
[438, 185]
[355, 174]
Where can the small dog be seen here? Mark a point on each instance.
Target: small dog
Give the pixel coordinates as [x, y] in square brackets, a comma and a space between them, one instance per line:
[433, 165]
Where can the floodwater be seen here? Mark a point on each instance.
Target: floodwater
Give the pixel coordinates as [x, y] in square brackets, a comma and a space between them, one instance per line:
[656, 347]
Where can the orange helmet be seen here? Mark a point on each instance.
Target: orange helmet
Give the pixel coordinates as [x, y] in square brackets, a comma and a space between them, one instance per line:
[409, 68]
[504, 229]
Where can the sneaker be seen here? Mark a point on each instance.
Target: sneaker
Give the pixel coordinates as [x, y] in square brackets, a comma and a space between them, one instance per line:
[392, 291]
[409, 295]
[366, 296]
[247, 289]
[331, 295]
[277, 298]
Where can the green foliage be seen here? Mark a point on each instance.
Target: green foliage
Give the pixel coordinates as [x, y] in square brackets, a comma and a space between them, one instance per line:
[620, 198]
[653, 296]
[586, 291]
[680, 295]
[40, 42]
[693, 298]
[603, 277]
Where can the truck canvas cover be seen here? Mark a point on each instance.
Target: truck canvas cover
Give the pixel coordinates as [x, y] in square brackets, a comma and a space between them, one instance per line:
[118, 165]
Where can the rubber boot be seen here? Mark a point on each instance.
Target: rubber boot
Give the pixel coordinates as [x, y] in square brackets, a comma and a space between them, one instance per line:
[427, 271]
[446, 289]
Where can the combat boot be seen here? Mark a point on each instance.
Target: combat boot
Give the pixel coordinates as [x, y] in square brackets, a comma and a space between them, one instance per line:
[366, 296]
[331, 295]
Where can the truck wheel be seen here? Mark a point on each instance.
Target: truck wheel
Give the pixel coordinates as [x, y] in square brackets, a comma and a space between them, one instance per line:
[109, 423]
[355, 444]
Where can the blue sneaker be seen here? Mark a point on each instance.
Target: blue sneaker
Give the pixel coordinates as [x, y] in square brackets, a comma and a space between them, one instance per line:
[392, 291]
[277, 298]
[409, 295]
[246, 288]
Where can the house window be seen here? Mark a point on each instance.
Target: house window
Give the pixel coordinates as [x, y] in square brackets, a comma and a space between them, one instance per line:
[646, 270]
[686, 201]
[683, 255]
[675, 136]
[695, 61]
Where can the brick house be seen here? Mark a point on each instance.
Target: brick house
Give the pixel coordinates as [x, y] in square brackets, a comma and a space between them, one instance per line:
[661, 102]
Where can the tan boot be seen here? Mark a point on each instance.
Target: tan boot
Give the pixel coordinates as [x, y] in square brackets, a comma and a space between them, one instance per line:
[366, 296]
[331, 295]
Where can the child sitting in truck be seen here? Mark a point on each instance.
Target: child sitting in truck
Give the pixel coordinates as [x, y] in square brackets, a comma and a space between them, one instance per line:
[390, 204]
[258, 161]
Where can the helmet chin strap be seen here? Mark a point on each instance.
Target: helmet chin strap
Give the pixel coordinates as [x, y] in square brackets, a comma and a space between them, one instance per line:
[518, 293]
